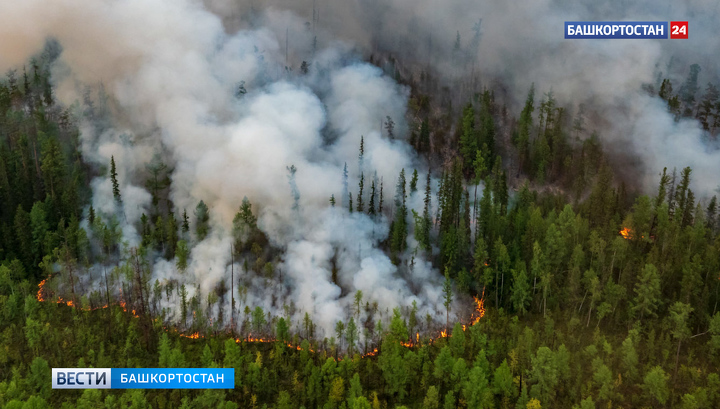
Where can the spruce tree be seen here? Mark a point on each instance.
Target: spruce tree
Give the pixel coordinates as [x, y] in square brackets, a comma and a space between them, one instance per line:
[380, 204]
[447, 297]
[424, 233]
[399, 230]
[361, 185]
[371, 206]
[113, 178]
[390, 127]
[525, 125]
[468, 138]
[185, 222]
[413, 181]
[202, 219]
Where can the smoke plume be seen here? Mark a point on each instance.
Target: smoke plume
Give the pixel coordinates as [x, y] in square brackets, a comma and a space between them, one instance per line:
[172, 76]
[173, 69]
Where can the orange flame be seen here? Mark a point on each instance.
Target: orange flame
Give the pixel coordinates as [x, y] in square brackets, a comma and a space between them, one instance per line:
[626, 233]
[371, 353]
[476, 316]
[479, 309]
[40, 296]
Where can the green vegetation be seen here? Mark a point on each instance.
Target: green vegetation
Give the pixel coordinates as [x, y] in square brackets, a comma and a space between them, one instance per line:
[578, 315]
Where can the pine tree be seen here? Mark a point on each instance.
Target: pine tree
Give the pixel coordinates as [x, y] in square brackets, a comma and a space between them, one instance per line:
[39, 227]
[380, 204]
[183, 305]
[332, 200]
[113, 178]
[662, 189]
[524, 127]
[521, 293]
[54, 169]
[447, 297]
[711, 214]
[487, 129]
[399, 225]
[351, 335]
[681, 194]
[687, 216]
[185, 222]
[371, 206]
[202, 218]
[413, 181]
[171, 235]
[468, 138]
[182, 253]
[362, 153]
[707, 107]
[158, 179]
[647, 290]
[424, 233]
[390, 127]
[340, 332]
[361, 185]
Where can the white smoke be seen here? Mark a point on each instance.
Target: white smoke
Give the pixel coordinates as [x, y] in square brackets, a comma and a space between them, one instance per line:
[171, 73]
[172, 69]
[521, 43]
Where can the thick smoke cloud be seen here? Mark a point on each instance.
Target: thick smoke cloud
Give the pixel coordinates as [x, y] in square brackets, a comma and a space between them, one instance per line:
[521, 43]
[171, 73]
[172, 69]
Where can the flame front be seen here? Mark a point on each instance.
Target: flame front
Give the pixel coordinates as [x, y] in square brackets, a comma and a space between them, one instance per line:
[479, 309]
[478, 313]
[40, 296]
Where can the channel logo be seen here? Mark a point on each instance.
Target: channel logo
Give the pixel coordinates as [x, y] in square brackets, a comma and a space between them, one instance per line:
[626, 29]
[143, 378]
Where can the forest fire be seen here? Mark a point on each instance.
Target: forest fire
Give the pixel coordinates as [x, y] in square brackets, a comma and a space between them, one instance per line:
[626, 233]
[477, 314]
[40, 296]
[123, 305]
[371, 353]
[479, 309]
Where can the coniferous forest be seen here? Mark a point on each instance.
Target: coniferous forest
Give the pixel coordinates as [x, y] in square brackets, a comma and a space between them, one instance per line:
[566, 284]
